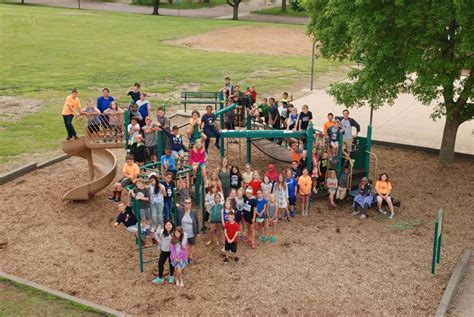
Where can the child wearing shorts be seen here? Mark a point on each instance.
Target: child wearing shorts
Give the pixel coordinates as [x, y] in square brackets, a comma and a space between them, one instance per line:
[272, 215]
[331, 184]
[291, 185]
[130, 174]
[261, 215]
[231, 232]
[179, 254]
[281, 195]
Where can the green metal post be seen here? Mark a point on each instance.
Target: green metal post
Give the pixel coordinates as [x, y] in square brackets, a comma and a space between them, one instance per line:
[126, 122]
[203, 206]
[435, 248]
[339, 155]
[309, 146]
[249, 140]
[196, 133]
[221, 124]
[441, 224]
[159, 148]
[197, 186]
[368, 149]
[136, 211]
[175, 209]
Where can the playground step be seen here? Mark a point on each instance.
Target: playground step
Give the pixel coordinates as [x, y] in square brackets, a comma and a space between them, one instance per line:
[275, 151]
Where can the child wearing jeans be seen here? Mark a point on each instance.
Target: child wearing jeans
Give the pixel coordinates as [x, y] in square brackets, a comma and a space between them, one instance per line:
[179, 254]
[231, 232]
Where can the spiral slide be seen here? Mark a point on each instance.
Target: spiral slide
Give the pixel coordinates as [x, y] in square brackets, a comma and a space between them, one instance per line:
[102, 167]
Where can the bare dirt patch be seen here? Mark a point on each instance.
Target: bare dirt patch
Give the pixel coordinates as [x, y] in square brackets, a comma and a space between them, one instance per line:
[262, 40]
[16, 107]
[328, 263]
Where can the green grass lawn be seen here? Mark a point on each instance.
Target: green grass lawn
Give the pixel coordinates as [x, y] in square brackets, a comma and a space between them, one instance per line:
[183, 4]
[20, 300]
[51, 50]
[277, 11]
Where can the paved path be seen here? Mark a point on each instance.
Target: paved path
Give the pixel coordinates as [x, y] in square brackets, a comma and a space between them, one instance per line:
[216, 12]
[464, 302]
[406, 122]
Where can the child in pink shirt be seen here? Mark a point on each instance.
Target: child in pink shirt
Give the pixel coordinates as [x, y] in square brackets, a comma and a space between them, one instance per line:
[197, 158]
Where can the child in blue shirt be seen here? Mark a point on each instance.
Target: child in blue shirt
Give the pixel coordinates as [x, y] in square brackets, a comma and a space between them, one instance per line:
[261, 215]
[167, 162]
[208, 120]
[292, 186]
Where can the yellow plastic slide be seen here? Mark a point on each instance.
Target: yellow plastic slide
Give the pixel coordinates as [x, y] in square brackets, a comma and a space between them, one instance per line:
[102, 167]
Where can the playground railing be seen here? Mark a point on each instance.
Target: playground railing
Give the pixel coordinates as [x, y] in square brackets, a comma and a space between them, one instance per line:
[103, 129]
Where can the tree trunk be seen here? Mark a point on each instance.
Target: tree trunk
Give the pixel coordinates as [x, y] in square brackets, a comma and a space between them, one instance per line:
[446, 153]
[235, 15]
[22, 1]
[156, 6]
[283, 5]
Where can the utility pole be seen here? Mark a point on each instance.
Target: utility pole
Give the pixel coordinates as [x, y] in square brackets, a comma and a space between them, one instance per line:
[313, 57]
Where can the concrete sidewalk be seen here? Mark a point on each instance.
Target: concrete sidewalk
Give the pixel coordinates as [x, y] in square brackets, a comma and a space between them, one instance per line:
[216, 12]
[464, 303]
[406, 122]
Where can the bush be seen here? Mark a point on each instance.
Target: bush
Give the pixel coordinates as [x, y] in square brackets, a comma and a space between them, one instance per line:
[296, 6]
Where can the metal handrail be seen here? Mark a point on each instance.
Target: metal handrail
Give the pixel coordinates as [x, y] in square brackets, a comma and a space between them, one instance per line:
[376, 163]
[103, 128]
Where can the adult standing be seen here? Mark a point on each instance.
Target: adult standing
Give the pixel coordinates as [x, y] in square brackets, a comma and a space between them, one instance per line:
[71, 108]
[224, 177]
[157, 203]
[347, 123]
[188, 219]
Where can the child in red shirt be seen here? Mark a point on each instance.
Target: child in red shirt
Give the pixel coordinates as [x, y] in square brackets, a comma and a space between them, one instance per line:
[231, 231]
[255, 183]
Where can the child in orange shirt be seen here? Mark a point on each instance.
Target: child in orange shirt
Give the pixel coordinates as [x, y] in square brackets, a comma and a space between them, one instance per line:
[295, 153]
[304, 183]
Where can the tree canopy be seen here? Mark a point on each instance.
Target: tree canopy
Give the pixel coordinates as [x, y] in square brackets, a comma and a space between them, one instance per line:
[423, 47]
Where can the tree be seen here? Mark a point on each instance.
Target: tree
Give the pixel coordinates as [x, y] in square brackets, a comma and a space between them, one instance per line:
[283, 5]
[156, 7]
[422, 47]
[235, 6]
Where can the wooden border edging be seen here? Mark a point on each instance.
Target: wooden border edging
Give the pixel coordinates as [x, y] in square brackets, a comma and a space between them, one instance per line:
[420, 148]
[453, 284]
[17, 173]
[55, 160]
[62, 295]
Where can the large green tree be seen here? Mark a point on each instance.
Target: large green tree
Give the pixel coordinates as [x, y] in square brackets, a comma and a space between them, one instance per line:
[424, 47]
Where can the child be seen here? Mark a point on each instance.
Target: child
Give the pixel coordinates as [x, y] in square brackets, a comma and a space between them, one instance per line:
[272, 215]
[250, 206]
[183, 191]
[316, 170]
[272, 173]
[239, 209]
[71, 108]
[157, 194]
[328, 124]
[197, 158]
[128, 219]
[93, 121]
[255, 183]
[266, 187]
[115, 115]
[383, 188]
[138, 150]
[284, 111]
[130, 174]
[342, 185]
[179, 254]
[177, 145]
[295, 153]
[247, 175]
[281, 195]
[134, 113]
[167, 163]
[209, 120]
[227, 210]
[149, 130]
[229, 119]
[331, 184]
[228, 88]
[292, 185]
[304, 159]
[210, 201]
[333, 133]
[168, 199]
[195, 124]
[133, 130]
[295, 169]
[305, 184]
[323, 166]
[214, 181]
[261, 215]
[142, 195]
[224, 177]
[215, 218]
[263, 110]
[144, 106]
[163, 237]
[134, 93]
[235, 178]
[231, 232]
[304, 118]
[293, 118]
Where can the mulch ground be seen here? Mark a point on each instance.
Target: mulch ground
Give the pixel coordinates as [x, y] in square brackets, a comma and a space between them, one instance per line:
[327, 263]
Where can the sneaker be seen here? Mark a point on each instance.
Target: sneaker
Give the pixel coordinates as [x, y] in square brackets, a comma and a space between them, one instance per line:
[363, 217]
[158, 280]
[236, 259]
[382, 211]
[117, 200]
[178, 283]
[392, 215]
[226, 260]
[223, 249]
[111, 198]
[171, 279]
[315, 190]
[273, 239]
[154, 241]
[190, 261]
[264, 238]
[288, 219]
